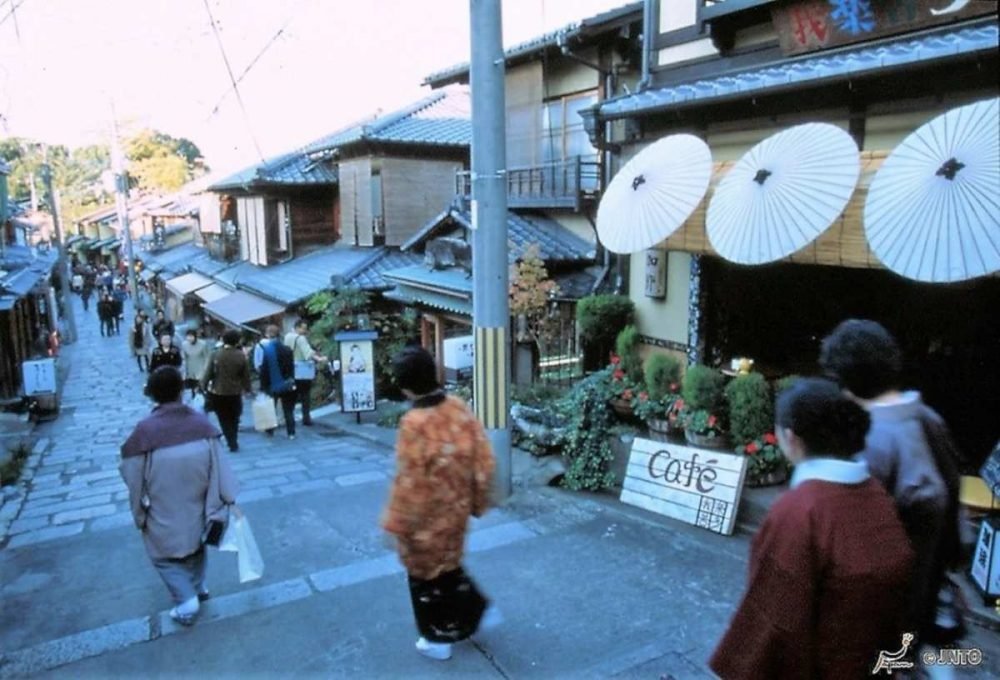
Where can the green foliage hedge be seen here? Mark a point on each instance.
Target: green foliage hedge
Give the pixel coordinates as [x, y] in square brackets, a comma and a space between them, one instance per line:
[662, 371]
[600, 318]
[751, 408]
[703, 389]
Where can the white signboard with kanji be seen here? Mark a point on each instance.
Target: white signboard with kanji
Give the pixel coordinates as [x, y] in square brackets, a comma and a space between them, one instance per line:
[698, 486]
[39, 376]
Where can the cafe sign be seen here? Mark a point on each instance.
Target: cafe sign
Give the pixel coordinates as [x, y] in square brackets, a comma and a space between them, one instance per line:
[811, 25]
[697, 486]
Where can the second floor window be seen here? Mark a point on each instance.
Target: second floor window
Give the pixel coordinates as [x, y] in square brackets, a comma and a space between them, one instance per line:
[563, 134]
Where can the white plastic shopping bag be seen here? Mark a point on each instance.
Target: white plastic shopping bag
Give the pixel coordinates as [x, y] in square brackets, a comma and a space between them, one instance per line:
[264, 416]
[239, 539]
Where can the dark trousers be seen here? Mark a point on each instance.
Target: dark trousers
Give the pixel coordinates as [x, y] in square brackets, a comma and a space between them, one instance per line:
[107, 327]
[304, 390]
[229, 408]
[447, 608]
[117, 324]
[138, 360]
[287, 400]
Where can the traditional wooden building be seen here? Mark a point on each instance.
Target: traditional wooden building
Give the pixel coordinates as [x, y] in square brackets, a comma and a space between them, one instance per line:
[735, 72]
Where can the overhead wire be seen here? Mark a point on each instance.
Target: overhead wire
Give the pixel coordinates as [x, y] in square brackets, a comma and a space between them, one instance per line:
[253, 63]
[232, 79]
[10, 13]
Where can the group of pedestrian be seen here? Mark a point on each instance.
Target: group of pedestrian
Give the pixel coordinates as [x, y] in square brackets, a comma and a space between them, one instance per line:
[179, 487]
[853, 560]
[850, 562]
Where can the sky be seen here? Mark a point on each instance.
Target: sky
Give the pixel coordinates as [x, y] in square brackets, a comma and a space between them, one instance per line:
[63, 63]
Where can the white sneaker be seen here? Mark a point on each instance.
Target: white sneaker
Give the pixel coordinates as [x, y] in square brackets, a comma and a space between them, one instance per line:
[186, 612]
[491, 619]
[441, 651]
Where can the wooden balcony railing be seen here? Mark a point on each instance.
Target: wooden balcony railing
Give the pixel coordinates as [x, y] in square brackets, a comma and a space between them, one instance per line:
[563, 184]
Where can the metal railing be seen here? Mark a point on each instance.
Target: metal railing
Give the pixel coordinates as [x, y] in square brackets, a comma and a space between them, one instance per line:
[561, 184]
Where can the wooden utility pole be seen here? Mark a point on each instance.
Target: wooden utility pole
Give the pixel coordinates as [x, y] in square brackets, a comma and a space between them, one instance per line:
[62, 265]
[121, 202]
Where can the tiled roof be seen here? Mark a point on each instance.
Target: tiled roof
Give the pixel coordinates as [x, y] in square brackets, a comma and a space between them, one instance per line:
[812, 70]
[291, 169]
[371, 276]
[174, 260]
[442, 119]
[557, 244]
[574, 31]
[297, 279]
[448, 289]
[577, 284]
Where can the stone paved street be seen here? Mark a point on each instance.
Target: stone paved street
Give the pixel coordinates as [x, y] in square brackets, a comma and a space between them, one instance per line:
[590, 588]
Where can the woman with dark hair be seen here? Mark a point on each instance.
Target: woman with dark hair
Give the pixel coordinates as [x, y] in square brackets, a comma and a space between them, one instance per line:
[177, 483]
[139, 340]
[910, 451]
[831, 560]
[224, 382]
[444, 469]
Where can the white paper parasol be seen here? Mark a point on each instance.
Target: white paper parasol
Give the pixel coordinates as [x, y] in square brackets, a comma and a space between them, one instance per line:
[933, 209]
[783, 193]
[652, 196]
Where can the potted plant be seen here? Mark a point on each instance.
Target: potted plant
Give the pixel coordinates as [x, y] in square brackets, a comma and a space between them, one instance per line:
[704, 407]
[660, 403]
[766, 464]
[751, 408]
[626, 372]
[704, 428]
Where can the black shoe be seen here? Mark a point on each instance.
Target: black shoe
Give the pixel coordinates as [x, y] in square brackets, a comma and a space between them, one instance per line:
[204, 596]
[307, 423]
[234, 449]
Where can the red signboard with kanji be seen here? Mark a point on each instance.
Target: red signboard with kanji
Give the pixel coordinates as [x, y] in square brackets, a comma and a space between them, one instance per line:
[810, 25]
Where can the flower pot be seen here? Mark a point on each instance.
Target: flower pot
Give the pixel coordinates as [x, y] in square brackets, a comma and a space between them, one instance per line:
[720, 443]
[662, 430]
[622, 408]
[771, 478]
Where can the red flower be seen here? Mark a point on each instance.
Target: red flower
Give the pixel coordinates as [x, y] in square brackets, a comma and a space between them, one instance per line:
[627, 395]
[643, 396]
[769, 438]
[615, 359]
[751, 448]
[712, 420]
[618, 375]
[679, 404]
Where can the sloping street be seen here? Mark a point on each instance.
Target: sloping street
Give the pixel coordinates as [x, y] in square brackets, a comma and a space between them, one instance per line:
[589, 588]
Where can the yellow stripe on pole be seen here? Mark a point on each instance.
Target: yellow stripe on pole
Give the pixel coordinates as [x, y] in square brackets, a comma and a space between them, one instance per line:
[490, 379]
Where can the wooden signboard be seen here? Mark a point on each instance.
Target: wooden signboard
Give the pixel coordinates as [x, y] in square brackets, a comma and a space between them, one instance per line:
[698, 486]
[357, 366]
[656, 273]
[810, 25]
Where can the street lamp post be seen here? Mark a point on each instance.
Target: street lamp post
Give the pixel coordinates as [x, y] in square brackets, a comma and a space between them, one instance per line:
[491, 304]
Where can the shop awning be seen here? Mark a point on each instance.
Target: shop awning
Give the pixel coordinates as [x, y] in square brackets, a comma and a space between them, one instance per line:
[111, 245]
[187, 283]
[240, 307]
[212, 292]
[147, 275]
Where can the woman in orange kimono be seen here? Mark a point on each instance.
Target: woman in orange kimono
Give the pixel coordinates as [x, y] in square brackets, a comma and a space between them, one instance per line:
[444, 470]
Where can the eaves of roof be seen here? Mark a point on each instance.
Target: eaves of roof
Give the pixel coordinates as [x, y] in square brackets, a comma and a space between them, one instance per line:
[578, 31]
[294, 169]
[813, 70]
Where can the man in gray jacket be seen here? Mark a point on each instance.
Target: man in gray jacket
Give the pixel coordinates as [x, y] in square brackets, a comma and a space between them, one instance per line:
[909, 450]
[177, 485]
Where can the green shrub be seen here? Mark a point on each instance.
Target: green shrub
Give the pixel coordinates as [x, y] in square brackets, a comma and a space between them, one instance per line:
[539, 395]
[662, 371]
[751, 408]
[392, 414]
[600, 318]
[703, 389]
[588, 449]
[18, 452]
[627, 348]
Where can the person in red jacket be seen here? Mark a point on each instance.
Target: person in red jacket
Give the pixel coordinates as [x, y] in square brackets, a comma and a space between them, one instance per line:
[831, 564]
